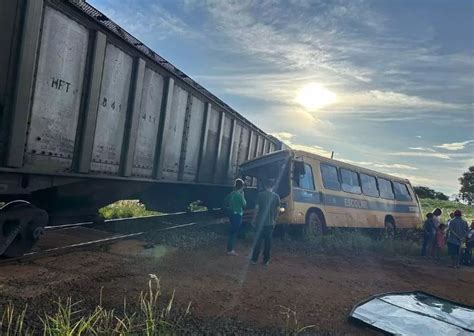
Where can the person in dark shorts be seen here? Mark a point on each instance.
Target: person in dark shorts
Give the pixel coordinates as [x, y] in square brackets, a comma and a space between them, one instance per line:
[457, 231]
[266, 211]
[429, 233]
[234, 204]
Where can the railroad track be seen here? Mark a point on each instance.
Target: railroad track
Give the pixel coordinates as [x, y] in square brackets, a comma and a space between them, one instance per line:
[134, 227]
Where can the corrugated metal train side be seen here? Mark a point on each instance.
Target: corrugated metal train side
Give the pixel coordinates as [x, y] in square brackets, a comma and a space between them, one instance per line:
[90, 115]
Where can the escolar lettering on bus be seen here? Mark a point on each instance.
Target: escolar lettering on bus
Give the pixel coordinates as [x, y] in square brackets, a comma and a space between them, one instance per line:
[354, 203]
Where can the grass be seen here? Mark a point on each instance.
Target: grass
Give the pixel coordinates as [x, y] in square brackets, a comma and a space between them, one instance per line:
[125, 209]
[428, 205]
[358, 242]
[69, 320]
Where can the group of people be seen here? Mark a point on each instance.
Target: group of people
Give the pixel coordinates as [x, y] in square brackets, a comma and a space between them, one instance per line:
[266, 211]
[456, 234]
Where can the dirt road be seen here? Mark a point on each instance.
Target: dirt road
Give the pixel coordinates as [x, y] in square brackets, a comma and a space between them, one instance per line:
[321, 289]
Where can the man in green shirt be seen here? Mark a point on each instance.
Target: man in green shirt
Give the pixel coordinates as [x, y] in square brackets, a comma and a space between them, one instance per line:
[266, 209]
[234, 204]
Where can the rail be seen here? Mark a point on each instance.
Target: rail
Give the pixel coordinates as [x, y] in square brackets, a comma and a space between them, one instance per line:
[150, 223]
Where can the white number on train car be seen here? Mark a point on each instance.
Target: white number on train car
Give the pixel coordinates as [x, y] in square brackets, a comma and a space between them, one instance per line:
[58, 90]
[113, 101]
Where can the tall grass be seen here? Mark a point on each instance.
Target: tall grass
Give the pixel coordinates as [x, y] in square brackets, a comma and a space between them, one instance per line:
[292, 325]
[69, 320]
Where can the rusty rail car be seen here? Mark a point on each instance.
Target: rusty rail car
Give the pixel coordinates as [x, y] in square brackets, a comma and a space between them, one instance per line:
[90, 115]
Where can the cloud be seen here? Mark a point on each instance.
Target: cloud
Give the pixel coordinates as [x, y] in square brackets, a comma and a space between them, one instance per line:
[149, 21]
[311, 149]
[376, 99]
[418, 136]
[423, 149]
[287, 139]
[422, 154]
[455, 146]
[283, 136]
[371, 165]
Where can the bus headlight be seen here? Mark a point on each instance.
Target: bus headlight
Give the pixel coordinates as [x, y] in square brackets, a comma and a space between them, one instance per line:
[282, 207]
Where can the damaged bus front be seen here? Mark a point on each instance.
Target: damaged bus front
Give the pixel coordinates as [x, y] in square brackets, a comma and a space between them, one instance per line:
[277, 167]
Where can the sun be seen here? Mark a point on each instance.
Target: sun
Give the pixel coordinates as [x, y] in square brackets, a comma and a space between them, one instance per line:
[313, 96]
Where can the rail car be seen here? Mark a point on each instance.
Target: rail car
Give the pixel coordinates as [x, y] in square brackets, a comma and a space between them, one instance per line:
[90, 115]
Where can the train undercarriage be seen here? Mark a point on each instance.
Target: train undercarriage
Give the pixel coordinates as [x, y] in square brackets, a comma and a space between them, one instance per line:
[40, 200]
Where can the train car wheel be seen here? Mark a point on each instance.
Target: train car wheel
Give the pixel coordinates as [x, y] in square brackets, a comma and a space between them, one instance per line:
[32, 222]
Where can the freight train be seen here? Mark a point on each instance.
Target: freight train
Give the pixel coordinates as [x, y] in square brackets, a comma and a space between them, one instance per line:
[90, 115]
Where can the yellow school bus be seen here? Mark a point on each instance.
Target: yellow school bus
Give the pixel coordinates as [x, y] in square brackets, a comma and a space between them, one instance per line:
[319, 193]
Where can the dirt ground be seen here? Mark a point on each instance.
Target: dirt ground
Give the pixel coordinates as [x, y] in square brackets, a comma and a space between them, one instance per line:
[322, 289]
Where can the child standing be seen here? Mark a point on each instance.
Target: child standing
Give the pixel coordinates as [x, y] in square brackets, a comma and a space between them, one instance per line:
[440, 240]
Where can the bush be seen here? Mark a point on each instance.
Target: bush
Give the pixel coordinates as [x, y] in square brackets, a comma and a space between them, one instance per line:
[125, 209]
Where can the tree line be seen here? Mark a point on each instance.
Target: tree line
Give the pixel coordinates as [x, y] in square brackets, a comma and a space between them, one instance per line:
[466, 192]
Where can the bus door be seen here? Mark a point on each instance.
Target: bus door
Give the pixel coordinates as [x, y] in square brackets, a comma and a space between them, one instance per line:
[304, 189]
[336, 214]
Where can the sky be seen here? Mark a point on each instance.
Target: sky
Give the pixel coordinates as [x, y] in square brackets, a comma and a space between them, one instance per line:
[387, 85]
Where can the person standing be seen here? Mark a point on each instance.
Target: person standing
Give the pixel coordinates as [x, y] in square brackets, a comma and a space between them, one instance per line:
[429, 233]
[457, 230]
[437, 217]
[451, 217]
[266, 212]
[234, 204]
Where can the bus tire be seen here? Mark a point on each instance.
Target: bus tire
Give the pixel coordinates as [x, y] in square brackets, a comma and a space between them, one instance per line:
[389, 231]
[314, 226]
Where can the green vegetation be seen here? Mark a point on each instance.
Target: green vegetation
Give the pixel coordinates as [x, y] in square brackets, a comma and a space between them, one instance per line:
[69, 320]
[196, 206]
[125, 209]
[467, 186]
[428, 205]
[133, 208]
[425, 192]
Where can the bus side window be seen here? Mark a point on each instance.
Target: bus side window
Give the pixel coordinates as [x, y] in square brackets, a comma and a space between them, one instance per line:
[330, 177]
[350, 181]
[401, 191]
[305, 179]
[369, 185]
[385, 187]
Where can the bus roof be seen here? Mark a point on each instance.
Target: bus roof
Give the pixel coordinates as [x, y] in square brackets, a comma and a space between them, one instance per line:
[300, 153]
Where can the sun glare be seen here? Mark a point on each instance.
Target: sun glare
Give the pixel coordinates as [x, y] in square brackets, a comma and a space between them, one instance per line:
[313, 96]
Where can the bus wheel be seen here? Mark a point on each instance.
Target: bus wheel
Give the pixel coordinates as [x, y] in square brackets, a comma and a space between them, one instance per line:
[389, 231]
[314, 226]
